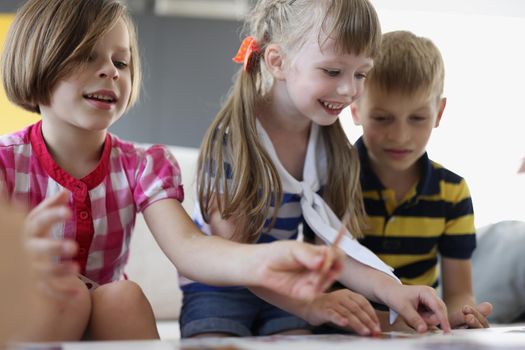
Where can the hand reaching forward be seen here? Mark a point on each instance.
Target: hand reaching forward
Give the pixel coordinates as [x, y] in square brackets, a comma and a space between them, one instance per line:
[345, 309]
[298, 270]
[55, 278]
[419, 306]
[471, 317]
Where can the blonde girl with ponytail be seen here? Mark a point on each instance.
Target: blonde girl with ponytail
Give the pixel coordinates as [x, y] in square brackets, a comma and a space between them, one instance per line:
[276, 157]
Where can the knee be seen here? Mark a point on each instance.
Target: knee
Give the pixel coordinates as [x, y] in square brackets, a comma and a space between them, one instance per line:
[120, 296]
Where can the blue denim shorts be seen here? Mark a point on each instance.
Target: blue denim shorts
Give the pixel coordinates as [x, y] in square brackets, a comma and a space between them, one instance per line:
[237, 312]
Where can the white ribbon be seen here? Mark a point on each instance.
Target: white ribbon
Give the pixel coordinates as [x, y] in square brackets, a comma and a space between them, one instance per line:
[316, 212]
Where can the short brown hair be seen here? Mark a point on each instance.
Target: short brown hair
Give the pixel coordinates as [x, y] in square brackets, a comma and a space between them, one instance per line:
[408, 64]
[50, 38]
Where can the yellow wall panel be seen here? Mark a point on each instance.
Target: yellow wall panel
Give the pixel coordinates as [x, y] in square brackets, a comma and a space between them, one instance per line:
[12, 118]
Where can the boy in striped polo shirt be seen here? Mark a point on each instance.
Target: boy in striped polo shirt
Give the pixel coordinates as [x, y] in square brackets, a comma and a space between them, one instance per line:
[418, 210]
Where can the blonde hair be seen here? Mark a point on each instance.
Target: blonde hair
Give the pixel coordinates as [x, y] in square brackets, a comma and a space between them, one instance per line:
[408, 64]
[51, 38]
[255, 184]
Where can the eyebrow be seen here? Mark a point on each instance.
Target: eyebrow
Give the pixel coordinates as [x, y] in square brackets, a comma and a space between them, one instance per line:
[336, 61]
[368, 65]
[422, 109]
[122, 49]
[379, 110]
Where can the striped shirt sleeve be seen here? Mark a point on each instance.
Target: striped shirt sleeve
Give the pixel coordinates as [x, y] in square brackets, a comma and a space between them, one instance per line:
[459, 239]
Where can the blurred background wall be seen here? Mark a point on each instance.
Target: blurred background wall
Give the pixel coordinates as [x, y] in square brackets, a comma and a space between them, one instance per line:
[187, 70]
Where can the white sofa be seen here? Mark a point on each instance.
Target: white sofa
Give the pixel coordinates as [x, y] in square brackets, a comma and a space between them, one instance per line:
[498, 270]
[150, 268]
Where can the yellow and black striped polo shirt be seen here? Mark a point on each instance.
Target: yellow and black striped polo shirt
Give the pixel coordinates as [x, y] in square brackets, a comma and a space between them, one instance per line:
[435, 218]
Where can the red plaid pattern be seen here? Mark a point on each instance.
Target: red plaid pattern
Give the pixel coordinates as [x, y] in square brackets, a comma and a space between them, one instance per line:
[127, 179]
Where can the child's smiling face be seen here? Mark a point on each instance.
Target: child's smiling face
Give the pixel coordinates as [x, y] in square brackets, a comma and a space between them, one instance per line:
[320, 82]
[93, 96]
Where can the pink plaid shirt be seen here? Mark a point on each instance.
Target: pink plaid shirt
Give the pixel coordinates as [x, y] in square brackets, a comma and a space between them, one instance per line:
[104, 203]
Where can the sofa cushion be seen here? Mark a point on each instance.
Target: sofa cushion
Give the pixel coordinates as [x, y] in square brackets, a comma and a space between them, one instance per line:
[498, 268]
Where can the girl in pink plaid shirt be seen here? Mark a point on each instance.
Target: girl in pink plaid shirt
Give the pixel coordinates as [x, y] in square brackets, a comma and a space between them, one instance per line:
[76, 63]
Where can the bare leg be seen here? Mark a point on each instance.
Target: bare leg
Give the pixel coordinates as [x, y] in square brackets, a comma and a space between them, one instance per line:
[121, 311]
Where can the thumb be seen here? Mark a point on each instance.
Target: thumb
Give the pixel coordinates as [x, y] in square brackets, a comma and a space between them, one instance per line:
[485, 308]
[310, 256]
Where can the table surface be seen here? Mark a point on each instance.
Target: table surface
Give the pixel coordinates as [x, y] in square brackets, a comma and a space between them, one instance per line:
[496, 338]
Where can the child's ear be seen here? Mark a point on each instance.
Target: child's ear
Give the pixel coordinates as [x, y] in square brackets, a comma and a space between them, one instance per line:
[274, 59]
[355, 114]
[442, 105]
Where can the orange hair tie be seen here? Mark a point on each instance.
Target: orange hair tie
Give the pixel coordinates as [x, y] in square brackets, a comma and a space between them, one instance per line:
[248, 49]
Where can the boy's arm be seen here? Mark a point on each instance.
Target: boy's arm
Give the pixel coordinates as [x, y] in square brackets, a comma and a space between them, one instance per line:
[456, 246]
[458, 295]
[292, 268]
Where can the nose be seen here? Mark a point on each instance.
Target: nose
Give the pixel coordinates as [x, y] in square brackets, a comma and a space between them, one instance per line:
[398, 132]
[108, 70]
[347, 88]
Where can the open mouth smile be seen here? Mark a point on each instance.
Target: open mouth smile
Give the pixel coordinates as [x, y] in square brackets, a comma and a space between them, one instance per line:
[332, 108]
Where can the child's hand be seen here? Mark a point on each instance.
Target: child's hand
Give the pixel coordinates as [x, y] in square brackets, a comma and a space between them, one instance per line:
[419, 306]
[299, 270]
[56, 278]
[346, 309]
[471, 317]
